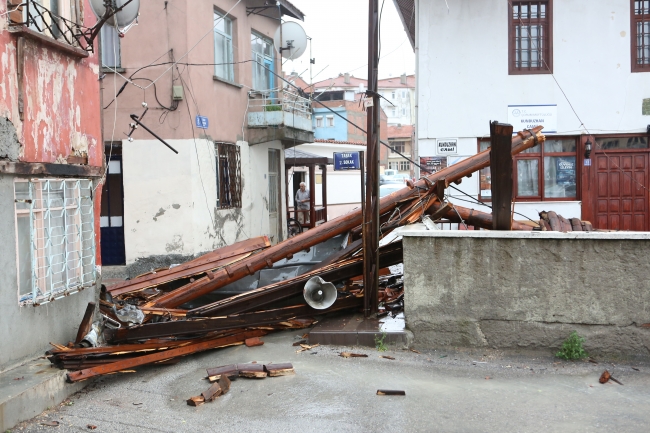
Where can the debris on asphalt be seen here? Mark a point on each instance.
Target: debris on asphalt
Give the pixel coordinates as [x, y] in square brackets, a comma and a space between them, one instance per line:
[252, 342]
[306, 347]
[231, 371]
[280, 369]
[91, 426]
[606, 377]
[387, 357]
[298, 343]
[352, 355]
[390, 392]
[251, 370]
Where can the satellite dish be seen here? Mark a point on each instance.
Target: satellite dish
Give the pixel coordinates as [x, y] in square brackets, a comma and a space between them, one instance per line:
[124, 17]
[290, 40]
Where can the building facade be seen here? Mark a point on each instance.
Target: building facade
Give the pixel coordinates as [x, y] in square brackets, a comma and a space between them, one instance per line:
[400, 139]
[51, 164]
[211, 82]
[527, 63]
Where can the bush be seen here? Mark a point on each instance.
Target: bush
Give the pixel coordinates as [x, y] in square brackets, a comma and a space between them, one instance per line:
[572, 348]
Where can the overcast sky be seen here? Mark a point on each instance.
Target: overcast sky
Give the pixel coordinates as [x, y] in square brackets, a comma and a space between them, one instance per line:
[339, 32]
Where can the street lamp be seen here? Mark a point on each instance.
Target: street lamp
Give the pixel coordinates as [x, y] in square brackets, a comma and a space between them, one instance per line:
[587, 149]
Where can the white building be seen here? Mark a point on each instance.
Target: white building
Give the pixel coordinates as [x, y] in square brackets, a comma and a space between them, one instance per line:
[580, 70]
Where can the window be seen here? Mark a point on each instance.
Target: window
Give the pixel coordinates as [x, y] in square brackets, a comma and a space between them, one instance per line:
[54, 18]
[228, 176]
[397, 146]
[262, 49]
[330, 121]
[544, 172]
[403, 93]
[403, 111]
[319, 121]
[223, 54]
[110, 46]
[392, 95]
[530, 37]
[404, 166]
[56, 238]
[393, 112]
[640, 37]
[393, 165]
[621, 143]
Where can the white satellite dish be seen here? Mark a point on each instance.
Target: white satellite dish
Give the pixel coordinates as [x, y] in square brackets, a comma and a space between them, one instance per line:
[290, 40]
[124, 17]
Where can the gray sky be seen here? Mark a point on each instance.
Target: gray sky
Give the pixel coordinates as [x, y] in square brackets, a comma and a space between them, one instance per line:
[339, 32]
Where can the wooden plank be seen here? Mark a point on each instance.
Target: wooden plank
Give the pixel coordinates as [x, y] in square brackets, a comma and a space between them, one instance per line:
[86, 323]
[390, 254]
[279, 369]
[215, 373]
[501, 169]
[159, 356]
[63, 170]
[576, 224]
[252, 371]
[522, 141]
[209, 261]
[254, 319]
[475, 218]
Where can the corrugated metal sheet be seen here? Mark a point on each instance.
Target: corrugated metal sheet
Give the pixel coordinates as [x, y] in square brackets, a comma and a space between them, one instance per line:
[406, 9]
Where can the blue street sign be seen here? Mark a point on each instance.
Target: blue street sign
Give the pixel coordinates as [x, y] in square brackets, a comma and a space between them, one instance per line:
[201, 122]
[346, 160]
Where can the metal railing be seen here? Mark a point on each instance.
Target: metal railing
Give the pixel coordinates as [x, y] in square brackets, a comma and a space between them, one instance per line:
[42, 20]
[279, 100]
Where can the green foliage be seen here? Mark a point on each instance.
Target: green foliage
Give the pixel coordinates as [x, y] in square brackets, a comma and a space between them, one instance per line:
[379, 342]
[272, 107]
[572, 348]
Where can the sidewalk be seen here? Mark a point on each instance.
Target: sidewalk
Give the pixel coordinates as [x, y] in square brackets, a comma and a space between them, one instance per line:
[445, 391]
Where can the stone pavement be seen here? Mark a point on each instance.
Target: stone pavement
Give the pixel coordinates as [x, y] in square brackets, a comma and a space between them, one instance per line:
[446, 390]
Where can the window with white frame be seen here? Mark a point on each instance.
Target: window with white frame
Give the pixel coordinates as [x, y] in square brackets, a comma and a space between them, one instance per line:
[55, 234]
[58, 19]
[109, 40]
[392, 95]
[404, 166]
[330, 121]
[223, 54]
[319, 121]
[262, 51]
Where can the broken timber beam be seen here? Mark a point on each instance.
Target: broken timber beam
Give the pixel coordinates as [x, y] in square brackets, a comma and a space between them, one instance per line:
[222, 277]
[474, 217]
[86, 323]
[88, 373]
[217, 258]
[390, 254]
[501, 171]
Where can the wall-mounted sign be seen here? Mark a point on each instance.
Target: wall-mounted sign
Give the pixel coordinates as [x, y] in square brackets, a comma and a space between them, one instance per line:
[529, 116]
[433, 164]
[201, 122]
[447, 146]
[346, 160]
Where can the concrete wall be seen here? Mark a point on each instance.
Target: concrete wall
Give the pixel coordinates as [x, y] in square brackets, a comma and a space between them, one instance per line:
[528, 289]
[170, 200]
[26, 331]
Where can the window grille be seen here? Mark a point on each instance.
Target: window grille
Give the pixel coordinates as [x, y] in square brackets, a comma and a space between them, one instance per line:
[56, 238]
[228, 176]
[530, 37]
[640, 35]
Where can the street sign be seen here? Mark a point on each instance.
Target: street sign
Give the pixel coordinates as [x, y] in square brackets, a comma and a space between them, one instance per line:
[346, 160]
[201, 122]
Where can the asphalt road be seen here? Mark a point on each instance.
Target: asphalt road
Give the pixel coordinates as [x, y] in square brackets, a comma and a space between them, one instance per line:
[450, 391]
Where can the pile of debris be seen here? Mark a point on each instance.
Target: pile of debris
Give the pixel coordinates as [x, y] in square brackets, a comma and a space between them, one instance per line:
[162, 316]
[550, 221]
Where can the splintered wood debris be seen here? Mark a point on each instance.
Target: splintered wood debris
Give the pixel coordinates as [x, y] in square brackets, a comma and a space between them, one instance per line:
[146, 320]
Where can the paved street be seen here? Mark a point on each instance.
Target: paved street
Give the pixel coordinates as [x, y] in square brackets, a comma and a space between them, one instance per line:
[453, 391]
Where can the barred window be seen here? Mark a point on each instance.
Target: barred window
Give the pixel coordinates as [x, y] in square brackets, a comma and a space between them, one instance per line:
[55, 233]
[640, 37]
[530, 32]
[228, 176]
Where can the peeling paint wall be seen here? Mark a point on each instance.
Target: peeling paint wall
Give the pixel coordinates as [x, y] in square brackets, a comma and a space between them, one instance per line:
[170, 200]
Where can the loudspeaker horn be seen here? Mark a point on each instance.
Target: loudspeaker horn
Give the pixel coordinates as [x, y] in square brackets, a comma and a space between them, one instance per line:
[319, 294]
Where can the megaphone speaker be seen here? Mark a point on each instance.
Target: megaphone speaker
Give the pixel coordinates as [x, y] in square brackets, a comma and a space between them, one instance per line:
[319, 294]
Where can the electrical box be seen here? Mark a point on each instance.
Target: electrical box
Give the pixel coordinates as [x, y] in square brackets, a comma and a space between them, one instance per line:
[177, 93]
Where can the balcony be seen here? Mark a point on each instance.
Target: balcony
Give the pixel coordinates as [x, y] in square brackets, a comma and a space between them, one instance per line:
[279, 115]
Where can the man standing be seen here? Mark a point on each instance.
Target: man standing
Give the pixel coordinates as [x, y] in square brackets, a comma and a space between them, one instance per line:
[302, 203]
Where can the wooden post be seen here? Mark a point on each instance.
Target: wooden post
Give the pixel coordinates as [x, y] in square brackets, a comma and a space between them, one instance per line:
[86, 323]
[362, 166]
[501, 171]
[323, 169]
[312, 196]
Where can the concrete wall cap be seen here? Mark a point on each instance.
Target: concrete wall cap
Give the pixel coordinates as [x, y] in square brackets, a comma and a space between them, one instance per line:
[419, 230]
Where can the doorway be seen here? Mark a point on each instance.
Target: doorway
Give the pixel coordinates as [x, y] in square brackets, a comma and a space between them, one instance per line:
[275, 219]
[112, 210]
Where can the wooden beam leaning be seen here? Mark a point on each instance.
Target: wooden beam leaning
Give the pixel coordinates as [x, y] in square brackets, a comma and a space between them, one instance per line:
[473, 217]
[86, 323]
[522, 141]
[76, 376]
[501, 172]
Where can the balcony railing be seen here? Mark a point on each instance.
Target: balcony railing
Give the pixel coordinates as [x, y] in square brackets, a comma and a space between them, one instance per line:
[37, 18]
[274, 108]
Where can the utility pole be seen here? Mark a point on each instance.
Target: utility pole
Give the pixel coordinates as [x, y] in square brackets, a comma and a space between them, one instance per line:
[371, 205]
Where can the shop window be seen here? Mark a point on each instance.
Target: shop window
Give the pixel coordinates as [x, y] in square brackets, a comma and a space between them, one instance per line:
[544, 172]
[55, 234]
[621, 143]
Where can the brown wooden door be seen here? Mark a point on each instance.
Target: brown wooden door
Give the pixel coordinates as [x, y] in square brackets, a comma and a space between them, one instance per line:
[622, 200]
